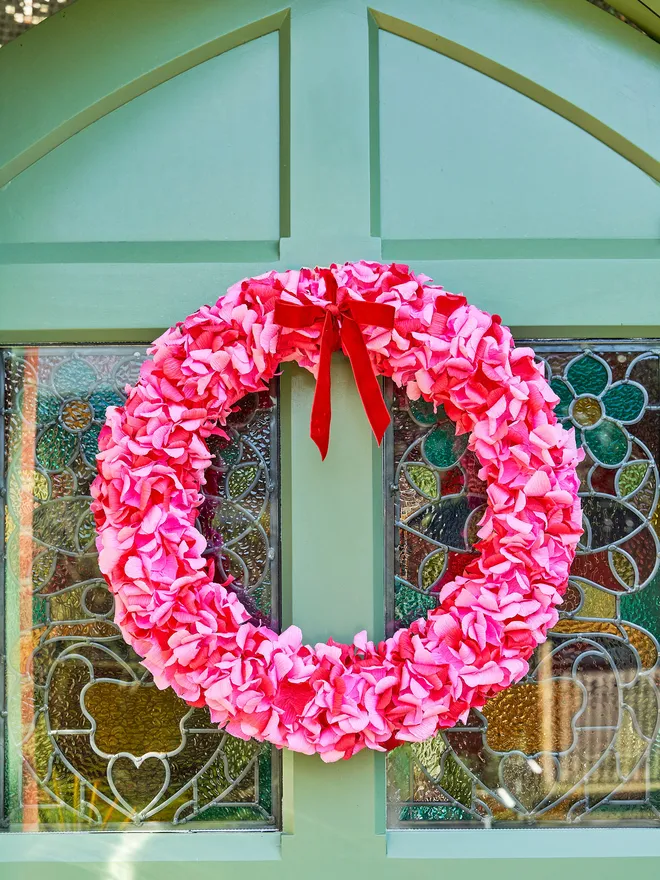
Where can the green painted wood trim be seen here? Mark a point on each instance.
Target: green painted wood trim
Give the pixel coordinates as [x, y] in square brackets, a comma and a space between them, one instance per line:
[588, 331]
[35, 253]
[336, 589]
[525, 843]
[521, 249]
[374, 125]
[44, 118]
[140, 846]
[285, 405]
[330, 106]
[285, 123]
[645, 14]
[519, 83]
[51, 302]
[139, 252]
[95, 336]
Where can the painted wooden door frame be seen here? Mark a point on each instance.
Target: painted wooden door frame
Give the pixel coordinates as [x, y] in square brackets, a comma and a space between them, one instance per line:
[577, 61]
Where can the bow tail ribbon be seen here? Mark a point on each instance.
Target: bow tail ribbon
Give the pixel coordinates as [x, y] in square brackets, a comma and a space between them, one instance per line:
[341, 327]
[319, 426]
[365, 378]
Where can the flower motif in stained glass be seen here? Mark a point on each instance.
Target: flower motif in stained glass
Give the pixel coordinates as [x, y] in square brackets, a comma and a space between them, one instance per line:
[597, 408]
[577, 741]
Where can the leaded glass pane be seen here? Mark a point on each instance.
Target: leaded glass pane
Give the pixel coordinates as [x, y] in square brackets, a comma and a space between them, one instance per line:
[89, 741]
[577, 741]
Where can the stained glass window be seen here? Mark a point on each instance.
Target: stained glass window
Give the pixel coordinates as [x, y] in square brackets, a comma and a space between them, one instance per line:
[577, 741]
[89, 741]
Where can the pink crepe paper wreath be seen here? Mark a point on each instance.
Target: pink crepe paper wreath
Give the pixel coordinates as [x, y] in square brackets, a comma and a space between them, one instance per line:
[335, 699]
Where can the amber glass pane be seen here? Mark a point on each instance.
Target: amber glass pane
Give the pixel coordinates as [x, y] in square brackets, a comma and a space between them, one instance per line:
[577, 741]
[90, 742]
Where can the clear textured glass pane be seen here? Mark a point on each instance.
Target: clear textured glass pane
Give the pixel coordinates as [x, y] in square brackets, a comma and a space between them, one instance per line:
[577, 741]
[90, 742]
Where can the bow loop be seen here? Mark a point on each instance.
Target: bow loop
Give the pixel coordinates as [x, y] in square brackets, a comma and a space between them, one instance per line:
[341, 328]
[376, 314]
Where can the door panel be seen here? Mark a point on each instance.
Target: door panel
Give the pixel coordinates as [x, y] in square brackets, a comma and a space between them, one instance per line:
[184, 161]
[472, 158]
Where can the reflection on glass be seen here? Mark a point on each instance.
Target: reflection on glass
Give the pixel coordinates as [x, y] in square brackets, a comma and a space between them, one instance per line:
[90, 742]
[577, 741]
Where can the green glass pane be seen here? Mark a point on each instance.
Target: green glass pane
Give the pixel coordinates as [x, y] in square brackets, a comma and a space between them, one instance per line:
[90, 443]
[423, 411]
[565, 396]
[425, 813]
[631, 477]
[619, 812]
[102, 398]
[643, 608]
[411, 604]
[429, 754]
[607, 443]
[232, 453]
[48, 408]
[54, 448]
[87, 532]
[642, 701]
[423, 478]
[624, 401]
[654, 771]
[443, 448]
[74, 376]
[231, 814]
[241, 479]
[451, 776]
[238, 752]
[588, 375]
[265, 780]
[398, 768]
[39, 611]
[433, 568]
[261, 597]
[456, 781]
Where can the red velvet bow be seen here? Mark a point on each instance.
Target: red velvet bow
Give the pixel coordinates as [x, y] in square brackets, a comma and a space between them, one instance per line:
[341, 329]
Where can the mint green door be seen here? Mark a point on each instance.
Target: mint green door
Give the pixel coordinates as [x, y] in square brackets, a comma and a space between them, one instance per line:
[152, 154]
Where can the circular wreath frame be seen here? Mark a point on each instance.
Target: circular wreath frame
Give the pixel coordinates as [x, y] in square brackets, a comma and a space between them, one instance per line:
[336, 699]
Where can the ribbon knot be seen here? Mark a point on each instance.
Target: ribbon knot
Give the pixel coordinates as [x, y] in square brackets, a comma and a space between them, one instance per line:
[341, 329]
